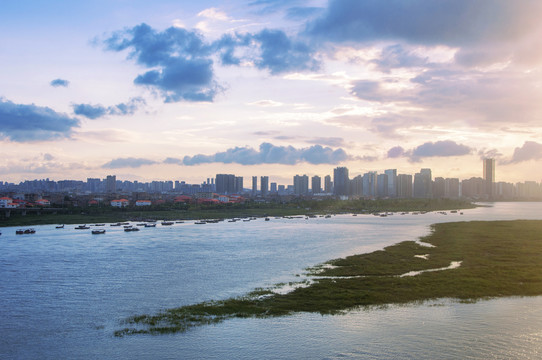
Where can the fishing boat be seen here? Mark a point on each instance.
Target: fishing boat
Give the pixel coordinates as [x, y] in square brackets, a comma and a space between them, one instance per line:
[166, 223]
[150, 225]
[82, 227]
[131, 229]
[98, 231]
[60, 226]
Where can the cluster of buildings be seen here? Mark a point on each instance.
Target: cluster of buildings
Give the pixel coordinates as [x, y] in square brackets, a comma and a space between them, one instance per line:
[228, 188]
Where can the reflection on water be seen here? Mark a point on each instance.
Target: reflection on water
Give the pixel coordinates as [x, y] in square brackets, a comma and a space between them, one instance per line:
[63, 292]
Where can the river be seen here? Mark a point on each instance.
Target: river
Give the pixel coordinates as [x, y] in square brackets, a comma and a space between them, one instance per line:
[63, 292]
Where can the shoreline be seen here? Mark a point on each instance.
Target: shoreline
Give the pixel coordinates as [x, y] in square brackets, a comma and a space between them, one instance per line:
[108, 215]
[498, 259]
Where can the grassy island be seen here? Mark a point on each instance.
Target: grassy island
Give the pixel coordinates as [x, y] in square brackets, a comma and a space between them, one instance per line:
[497, 258]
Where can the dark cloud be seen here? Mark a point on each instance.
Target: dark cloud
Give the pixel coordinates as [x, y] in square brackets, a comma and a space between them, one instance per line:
[529, 151]
[180, 65]
[280, 54]
[271, 154]
[447, 22]
[127, 162]
[59, 83]
[96, 111]
[22, 123]
[180, 61]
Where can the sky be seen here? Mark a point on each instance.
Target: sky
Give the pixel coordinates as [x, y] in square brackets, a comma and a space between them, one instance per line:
[183, 90]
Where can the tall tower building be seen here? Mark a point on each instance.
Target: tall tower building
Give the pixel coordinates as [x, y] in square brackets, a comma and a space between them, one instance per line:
[392, 182]
[225, 183]
[340, 180]
[423, 184]
[254, 185]
[264, 185]
[316, 184]
[301, 184]
[489, 176]
[111, 183]
[328, 185]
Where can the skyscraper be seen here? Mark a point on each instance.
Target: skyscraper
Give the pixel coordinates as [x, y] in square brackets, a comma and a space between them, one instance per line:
[489, 176]
[328, 185]
[392, 182]
[340, 181]
[264, 185]
[225, 183]
[111, 183]
[404, 186]
[423, 184]
[316, 184]
[254, 185]
[301, 184]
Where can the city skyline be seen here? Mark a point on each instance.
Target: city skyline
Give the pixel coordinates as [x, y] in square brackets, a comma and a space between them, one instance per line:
[182, 90]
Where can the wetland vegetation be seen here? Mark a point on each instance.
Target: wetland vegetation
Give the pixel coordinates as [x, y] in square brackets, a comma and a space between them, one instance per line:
[498, 258]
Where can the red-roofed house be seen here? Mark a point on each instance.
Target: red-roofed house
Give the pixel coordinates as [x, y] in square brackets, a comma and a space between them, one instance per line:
[8, 203]
[43, 202]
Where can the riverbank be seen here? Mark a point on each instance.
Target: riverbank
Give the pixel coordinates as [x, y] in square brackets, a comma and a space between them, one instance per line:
[92, 215]
[497, 258]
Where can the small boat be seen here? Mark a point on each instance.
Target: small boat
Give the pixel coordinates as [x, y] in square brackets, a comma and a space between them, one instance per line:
[60, 226]
[179, 222]
[25, 231]
[116, 224]
[140, 224]
[99, 224]
[131, 229]
[200, 222]
[127, 226]
[82, 227]
[166, 223]
[266, 219]
[98, 231]
[150, 225]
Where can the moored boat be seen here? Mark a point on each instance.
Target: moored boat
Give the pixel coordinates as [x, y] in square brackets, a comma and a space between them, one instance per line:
[98, 231]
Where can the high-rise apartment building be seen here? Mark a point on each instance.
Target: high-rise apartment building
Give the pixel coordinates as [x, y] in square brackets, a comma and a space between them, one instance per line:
[392, 182]
[340, 181]
[328, 184]
[423, 184]
[370, 184]
[404, 186]
[489, 176]
[238, 184]
[225, 183]
[316, 184]
[382, 185]
[264, 185]
[254, 185]
[301, 184]
[111, 183]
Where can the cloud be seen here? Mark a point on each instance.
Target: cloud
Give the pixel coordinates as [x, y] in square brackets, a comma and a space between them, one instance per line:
[529, 151]
[175, 161]
[302, 13]
[266, 103]
[395, 56]
[445, 22]
[280, 54]
[444, 148]
[96, 111]
[180, 61]
[180, 64]
[271, 154]
[59, 83]
[128, 162]
[19, 122]
[396, 152]
[329, 141]
[440, 148]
